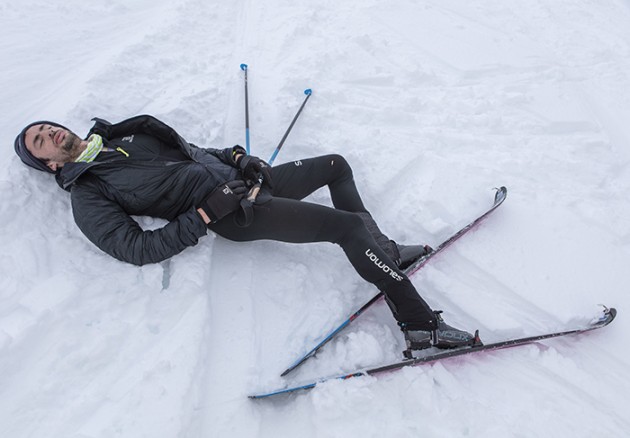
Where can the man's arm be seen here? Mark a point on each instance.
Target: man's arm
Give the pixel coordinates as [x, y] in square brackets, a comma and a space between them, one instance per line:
[149, 125]
[110, 228]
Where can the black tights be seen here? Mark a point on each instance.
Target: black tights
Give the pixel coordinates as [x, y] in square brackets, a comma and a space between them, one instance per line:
[284, 217]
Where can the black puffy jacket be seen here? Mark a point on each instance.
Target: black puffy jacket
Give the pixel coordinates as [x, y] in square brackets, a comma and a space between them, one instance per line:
[105, 194]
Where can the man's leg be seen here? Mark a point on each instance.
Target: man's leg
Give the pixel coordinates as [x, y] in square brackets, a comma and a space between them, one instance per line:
[289, 220]
[299, 179]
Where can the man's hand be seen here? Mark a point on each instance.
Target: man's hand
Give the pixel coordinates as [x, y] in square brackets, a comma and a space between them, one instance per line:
[253, 169]
[223, 200]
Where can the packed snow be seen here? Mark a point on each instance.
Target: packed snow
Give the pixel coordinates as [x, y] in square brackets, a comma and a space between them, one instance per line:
[434, 103]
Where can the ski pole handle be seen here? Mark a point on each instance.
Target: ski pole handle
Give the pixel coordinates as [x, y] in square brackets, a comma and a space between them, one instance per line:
[253, 192]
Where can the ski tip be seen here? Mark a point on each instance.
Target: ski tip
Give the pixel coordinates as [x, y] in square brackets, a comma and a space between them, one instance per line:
[607, 316]
[243, 67]
[286, 391]
[477, 341]
[308, 91]
[500, 194]
[609, 313]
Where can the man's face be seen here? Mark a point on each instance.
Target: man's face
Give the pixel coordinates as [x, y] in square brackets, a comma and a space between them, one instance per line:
[53, 145]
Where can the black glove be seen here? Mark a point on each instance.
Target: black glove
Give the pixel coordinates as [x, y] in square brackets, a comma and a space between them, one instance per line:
[253, 169]
[223, 200]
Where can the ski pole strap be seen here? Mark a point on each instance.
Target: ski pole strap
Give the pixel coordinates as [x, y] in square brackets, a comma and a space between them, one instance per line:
[245, 215]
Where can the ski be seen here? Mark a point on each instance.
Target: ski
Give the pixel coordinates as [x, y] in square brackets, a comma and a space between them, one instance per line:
[608, 315]
[499, 197]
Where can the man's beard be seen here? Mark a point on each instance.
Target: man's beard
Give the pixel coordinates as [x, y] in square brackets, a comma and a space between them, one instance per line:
[69, 149]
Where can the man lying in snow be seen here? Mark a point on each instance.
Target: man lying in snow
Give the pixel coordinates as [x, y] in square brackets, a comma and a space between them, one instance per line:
[141, 166]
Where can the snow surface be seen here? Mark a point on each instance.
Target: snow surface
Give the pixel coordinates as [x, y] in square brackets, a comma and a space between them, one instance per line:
[434, 103]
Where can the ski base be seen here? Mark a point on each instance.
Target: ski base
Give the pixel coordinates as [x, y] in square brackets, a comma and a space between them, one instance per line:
[606, 318]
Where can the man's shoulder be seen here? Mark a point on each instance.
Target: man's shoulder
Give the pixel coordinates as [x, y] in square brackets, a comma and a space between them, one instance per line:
[139, 123]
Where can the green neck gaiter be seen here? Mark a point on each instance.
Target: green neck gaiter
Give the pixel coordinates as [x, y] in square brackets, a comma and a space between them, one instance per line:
[95, 145]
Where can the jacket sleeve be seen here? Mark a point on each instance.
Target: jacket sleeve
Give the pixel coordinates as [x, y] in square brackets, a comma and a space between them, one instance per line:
[144, 124]
[115, 232]
[226, 155]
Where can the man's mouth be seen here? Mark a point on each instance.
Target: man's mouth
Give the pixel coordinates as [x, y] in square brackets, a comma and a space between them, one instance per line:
[59, 137]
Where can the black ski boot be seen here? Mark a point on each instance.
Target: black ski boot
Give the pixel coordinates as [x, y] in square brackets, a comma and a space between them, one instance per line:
[444, 336]
[418, 339]
[408, 254]
[449, 337]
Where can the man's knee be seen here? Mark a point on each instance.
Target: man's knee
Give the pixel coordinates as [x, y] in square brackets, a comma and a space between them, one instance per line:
[351, 228]
[339, 165]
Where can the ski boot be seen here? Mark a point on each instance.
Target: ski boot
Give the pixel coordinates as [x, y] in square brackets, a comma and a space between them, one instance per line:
[408, 254]
[443, 337]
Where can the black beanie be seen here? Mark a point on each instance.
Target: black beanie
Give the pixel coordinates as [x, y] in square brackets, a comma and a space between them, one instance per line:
[25, 155]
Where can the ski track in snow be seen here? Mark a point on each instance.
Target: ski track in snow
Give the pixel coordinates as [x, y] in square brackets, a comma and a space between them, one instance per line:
[434, 104]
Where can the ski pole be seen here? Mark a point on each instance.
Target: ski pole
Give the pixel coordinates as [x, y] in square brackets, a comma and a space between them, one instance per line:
[244, 68]
[308, 92]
